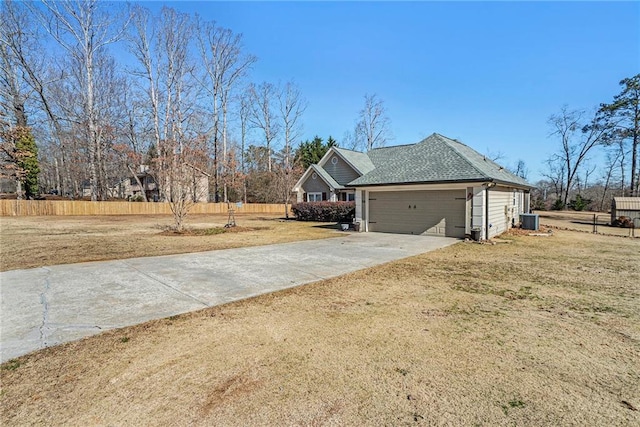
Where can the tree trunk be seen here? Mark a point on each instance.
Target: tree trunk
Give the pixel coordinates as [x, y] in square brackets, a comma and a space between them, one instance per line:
[143, 190]
[634, 164]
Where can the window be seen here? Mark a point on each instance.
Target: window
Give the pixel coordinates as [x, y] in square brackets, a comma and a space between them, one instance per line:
[314, 197]
[314, 176]
[351, 197]
[334, 160]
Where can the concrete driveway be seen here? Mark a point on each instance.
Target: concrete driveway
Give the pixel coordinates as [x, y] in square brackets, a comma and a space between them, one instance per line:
[46, 306]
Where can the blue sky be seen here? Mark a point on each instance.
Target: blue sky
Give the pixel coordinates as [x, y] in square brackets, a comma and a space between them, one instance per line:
[487, 73]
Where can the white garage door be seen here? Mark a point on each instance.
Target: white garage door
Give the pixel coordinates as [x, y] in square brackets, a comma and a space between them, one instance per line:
[437, 213]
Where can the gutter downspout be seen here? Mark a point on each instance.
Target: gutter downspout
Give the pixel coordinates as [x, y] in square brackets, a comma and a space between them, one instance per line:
[486, 226]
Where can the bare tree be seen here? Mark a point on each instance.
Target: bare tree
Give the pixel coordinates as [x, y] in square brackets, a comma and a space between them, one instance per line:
[556, 174]
[612, 161]
[521, 169]
[263, 114]
[372, 128]
[244, 112]
[83, 30]
[181, 176]
[12, 94]
[23, 40]
[622, 116]
[495, 156]
[224, 65]
[292, 106]
[12, 103]
[577, 140]
[161, 47]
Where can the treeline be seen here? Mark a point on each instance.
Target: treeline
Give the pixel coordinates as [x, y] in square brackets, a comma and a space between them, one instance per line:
[574, 176]
[75, 118]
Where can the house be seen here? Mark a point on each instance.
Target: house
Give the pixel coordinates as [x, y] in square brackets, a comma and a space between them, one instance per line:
[438, 186]
[626, 206]
[131, 188]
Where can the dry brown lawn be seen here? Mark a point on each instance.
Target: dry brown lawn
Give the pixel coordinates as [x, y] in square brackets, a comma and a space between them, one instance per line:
[48, 240]
[539, 331]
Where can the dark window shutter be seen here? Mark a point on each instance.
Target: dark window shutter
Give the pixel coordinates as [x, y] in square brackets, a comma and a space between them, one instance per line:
[324, 196]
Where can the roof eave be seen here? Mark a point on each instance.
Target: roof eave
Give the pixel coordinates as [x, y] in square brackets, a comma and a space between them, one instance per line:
[454, 181]
[513, 184]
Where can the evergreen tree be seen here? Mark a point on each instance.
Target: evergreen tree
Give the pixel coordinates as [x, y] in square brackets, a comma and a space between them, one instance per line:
[27, 160]
[19, 156]
[310, 152]
[623, 115]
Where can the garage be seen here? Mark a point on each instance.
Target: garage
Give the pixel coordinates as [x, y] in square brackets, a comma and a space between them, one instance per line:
[432, 212]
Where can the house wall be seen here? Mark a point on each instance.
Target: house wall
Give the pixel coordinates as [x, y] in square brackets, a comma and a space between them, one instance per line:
[7, 185]
[315, 186]
[500, 206]
[360, 207]
[505, 207]
[202, 189]
[341, 171]
[479, 209]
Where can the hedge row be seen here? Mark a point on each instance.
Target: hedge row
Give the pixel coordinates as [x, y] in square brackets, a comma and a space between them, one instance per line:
[325, 211]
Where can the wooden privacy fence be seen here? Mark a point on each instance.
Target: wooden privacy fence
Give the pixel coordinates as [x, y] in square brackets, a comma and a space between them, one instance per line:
[78, 207]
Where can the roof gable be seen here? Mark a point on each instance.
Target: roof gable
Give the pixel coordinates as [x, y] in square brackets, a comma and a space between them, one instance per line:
[359, 161]
[328, 179]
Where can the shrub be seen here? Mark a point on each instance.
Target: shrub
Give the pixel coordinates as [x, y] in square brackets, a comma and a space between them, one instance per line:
[557, 205]
[325, 211]
[579, 203]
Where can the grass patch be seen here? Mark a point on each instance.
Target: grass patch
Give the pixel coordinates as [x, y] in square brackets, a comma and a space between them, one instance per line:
[29, 242]
[11, 365]
[213, 231]
[515, 403]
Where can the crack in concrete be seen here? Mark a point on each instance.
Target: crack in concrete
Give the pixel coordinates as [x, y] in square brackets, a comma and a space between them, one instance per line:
[155, 279]
[45, 310]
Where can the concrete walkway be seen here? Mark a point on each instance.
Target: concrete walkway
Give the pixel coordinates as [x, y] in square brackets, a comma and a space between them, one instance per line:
[45, 306]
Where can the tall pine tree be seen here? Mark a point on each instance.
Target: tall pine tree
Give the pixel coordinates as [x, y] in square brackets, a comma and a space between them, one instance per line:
[623, 114]
[27, 160]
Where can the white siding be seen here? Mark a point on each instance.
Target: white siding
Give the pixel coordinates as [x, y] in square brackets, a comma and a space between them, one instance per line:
[478, 210]
[359, 206]
[500, 205]
[505, 207]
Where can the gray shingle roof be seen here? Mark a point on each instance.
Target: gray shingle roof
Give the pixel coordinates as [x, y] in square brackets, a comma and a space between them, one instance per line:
[327, 178]
[435, 159]
[358, 160]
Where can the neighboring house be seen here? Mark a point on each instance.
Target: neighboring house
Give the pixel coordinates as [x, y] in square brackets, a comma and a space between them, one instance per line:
[7, 183]
[626, 206]
[129, 188]
[438, 186]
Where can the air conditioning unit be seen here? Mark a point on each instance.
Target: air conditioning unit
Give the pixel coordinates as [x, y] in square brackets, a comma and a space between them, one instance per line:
[529, 221]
